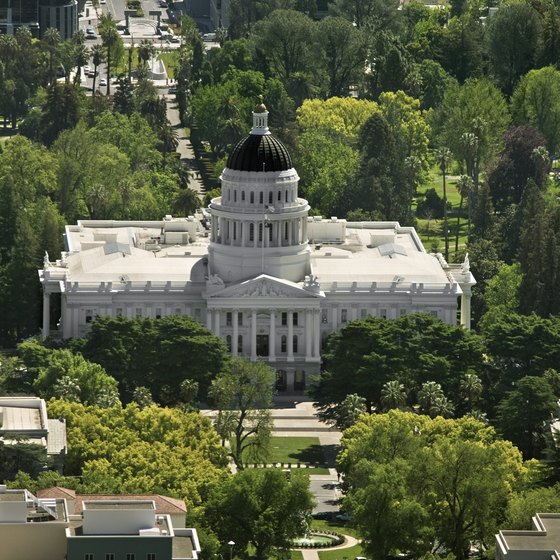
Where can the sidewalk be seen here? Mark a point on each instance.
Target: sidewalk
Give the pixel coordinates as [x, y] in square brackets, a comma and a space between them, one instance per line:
[313, 553]
[184, 146]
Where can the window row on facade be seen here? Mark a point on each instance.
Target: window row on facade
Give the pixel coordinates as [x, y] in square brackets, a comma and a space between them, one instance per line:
[281, 195]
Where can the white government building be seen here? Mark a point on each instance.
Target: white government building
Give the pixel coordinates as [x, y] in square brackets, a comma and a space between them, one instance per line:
[260, 272]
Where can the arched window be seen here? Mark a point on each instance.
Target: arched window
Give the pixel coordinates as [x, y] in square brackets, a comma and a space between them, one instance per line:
[243, 196]
[235, 196]
[228, 342]
[270, 197]
[240, 344]
[286, 231]
[251, 231]
[261, 198]
[252, 198]
[295, 343]
[279, 196]
[283, 343]
[286, 196]
[260, 232]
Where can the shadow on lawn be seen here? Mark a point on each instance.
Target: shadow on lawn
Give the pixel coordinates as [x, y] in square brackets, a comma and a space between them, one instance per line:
[323, 455]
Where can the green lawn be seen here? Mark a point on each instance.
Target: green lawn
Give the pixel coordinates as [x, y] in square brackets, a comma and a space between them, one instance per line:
[296, 555]
[297, 450]
[170, 60]
[341, 553]
[431, 231]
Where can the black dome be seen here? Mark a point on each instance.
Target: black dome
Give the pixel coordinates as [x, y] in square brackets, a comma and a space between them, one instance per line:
[259, 152]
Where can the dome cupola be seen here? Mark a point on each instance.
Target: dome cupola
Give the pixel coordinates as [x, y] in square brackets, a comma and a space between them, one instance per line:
[260, 150]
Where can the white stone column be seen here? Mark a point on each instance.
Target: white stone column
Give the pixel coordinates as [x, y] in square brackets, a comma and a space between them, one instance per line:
[209, 319]
[255, 234]
[235, 335]
[304, 229]
[66, 318]
[272, 337]
[317, 333]
[466, 308]
[253, 335]
[290, 232]
[308, 333]
[46, 315]
[217, 318]
[75, 322]
[290, 336]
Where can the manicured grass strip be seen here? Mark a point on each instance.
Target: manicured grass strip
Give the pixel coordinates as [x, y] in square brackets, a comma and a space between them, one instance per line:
[296, 555]
[296, 450]
[341, 553]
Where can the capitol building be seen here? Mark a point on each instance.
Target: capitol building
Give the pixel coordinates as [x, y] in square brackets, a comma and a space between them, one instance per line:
[255, 268]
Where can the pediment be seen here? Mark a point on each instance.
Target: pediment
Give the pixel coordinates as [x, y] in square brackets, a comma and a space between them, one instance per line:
[264, 286]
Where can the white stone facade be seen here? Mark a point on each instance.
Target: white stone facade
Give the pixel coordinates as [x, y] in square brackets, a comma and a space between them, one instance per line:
[256, 270]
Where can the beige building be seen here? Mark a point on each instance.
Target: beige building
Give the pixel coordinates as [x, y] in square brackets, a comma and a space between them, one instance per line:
[30, 528]
[24, 419]
[540, 543]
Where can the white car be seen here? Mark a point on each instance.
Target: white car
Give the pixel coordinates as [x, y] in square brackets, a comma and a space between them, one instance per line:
[102, 82]
[86, 70]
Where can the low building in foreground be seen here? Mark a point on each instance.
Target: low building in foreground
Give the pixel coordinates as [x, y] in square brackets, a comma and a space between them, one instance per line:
[110, 528]
[540, 543]
[256, 268]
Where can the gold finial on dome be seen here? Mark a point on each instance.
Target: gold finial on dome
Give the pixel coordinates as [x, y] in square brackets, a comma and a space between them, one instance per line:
[261, 107]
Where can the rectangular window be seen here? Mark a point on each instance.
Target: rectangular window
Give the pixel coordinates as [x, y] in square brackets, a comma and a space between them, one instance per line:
[240, 319]
[383, 313]
[433, 313]
[158, 312]
[284, 319]
[228, 319]
[89, 315]
[138, 312]
[130, 556]
[283, 344]
[295, 319]
[363, 313]
[88, 556]
[177, 311]
[197, 313]
[109, 556]
[119, 311]
[402, 312]
[324, 316]
[151, 556]
[343, 315]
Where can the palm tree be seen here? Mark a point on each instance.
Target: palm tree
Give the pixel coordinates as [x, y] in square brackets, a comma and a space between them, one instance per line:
[187, 202]
[441, 406]
[465, 187]
[51, 38]
[146, 51]
[81, 54]
[443, 156]
[98, 56]
[428, 395]
[349, 410]
[109, 36]
[470, 388]
[393, 395]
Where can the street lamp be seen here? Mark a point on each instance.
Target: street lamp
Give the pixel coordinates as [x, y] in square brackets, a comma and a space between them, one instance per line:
[231, 544]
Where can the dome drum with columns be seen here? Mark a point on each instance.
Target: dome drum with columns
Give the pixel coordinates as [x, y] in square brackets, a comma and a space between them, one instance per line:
[263, 275]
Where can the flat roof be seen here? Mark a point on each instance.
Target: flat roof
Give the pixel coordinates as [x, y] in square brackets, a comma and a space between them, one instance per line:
[17, 418]
[547, 540]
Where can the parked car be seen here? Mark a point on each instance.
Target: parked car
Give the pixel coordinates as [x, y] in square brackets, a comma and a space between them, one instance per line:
[209, 37]
[102, 82]
[175, 39]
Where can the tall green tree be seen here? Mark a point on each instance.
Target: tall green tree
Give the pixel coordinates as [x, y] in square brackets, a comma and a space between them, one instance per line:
[244, 393]
[262, 509]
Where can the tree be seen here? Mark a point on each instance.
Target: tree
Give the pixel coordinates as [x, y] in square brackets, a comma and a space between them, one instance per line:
[154, 352]
[373, 14]
[393, 395]
[429, 395]
[149, 450]
[51, 37]
[98, 56]
[286, 38]
[411, 350]
[415, 483]
[344, 48]
[471, 388]
[465, 186]
[111, 41]
[536, 101]
[246, 389]
[346, 413]
[534, 396]
[444, 157]
[70, 376]
[512, 54]
[263, 508]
